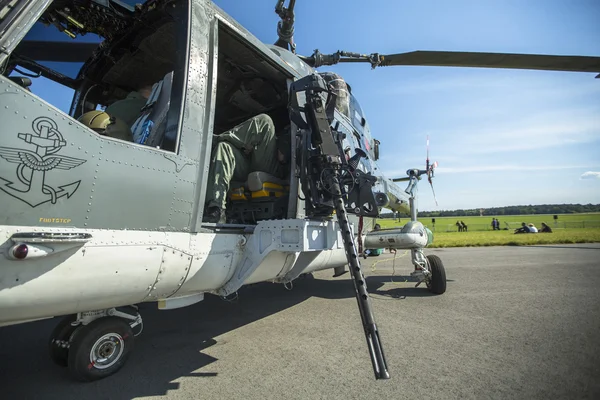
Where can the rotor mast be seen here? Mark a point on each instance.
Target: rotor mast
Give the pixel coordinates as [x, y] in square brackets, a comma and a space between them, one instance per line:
[285, 27]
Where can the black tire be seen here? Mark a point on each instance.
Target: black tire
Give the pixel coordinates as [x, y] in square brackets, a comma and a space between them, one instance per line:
[63, 331]
[438, 275]
[90, 338]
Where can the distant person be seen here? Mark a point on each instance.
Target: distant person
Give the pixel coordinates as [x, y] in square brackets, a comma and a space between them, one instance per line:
[523, 229]
[532, 228]
[496, 224]
[545, 228]
[493, 224]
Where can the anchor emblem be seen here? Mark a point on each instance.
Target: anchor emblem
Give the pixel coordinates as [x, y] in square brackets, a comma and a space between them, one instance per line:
[33, 165]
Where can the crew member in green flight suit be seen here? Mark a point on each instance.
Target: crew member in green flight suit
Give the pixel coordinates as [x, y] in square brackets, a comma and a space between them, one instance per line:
[248, 147]
[129, 108]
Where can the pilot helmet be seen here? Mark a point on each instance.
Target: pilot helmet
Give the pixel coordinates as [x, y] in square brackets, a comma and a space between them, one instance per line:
[105, 125]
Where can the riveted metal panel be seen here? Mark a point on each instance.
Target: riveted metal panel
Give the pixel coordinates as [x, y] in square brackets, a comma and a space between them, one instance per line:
[200, 97]
[214, 258]
[56, 172]
[173, 270]
[113, 268]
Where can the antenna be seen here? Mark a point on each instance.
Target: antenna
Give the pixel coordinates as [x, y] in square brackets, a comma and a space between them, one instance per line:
[285, 27]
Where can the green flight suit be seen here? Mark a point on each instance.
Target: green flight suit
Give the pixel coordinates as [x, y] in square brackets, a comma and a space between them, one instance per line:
[248, 147]
[128, 109]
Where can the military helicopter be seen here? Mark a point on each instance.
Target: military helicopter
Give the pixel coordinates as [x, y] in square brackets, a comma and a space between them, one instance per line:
[93, 224]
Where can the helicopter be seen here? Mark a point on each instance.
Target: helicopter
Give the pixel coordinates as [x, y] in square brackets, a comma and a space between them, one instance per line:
[93, 225]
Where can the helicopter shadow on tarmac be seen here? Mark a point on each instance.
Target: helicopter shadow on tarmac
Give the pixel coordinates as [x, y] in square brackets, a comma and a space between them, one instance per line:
[172, 342]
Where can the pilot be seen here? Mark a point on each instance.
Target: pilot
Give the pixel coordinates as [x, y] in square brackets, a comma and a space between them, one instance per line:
[247, 147]
[129, 108]
[106, 125]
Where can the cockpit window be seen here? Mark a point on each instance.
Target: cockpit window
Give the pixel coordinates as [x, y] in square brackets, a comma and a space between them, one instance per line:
[84, 57]
[40, 33]
[341, 90]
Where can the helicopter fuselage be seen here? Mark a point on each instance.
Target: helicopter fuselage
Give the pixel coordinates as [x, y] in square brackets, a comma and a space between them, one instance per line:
[91, 222]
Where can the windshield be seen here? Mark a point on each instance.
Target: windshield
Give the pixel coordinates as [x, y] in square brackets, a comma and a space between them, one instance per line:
[53, 28]
[42, 33]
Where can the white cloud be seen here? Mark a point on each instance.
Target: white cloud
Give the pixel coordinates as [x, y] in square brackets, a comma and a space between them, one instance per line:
[507, 167]
[590, 175]
[530, 84]
[468, 114]
[537, 131]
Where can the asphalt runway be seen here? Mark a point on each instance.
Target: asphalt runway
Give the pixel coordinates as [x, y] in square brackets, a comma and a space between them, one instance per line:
[515, 323]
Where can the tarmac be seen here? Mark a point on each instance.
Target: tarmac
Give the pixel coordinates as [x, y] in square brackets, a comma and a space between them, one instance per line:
[515, 323]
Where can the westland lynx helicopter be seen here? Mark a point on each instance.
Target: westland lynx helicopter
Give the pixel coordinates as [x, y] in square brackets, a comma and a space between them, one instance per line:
[93, 223]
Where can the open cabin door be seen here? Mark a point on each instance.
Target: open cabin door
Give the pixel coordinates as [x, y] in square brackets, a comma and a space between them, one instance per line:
[250, 86]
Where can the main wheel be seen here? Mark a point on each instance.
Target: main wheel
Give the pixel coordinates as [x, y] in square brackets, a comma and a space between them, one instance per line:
[437, 284]
[100, 348]
[59, 340]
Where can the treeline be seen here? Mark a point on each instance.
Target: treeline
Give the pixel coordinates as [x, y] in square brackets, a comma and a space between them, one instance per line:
[509, 210]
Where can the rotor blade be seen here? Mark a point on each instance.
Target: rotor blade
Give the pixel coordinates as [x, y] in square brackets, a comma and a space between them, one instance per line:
[433, 191]
[494, 60]
[62, 51]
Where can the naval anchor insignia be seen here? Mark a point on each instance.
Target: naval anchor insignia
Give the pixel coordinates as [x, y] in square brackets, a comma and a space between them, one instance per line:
[33, 165]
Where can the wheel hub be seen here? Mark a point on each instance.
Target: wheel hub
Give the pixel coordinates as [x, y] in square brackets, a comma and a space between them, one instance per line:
[107, 350]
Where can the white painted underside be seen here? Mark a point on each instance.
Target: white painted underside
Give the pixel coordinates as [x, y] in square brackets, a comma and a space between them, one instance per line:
[117, 267]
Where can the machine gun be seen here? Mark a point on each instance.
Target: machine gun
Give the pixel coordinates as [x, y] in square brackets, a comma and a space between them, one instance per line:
[332, 183]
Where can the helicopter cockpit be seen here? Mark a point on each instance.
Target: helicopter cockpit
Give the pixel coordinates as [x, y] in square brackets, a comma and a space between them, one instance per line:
[106, 51]
[111, 53]
[114, 54]
[347, 105]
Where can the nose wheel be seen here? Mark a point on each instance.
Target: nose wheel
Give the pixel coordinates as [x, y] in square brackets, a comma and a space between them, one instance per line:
[437, 283]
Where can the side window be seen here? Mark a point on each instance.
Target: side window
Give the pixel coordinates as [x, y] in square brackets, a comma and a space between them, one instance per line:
[121, 76]
[42, 63]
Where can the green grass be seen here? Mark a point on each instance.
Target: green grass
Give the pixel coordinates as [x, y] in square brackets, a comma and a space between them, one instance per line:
[447, 224]
[508, 238]
[568, 230]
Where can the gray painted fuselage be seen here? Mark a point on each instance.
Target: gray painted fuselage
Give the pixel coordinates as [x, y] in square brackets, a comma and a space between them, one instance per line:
[90, 181]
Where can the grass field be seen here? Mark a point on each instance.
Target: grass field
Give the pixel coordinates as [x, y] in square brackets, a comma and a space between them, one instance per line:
[569, 229]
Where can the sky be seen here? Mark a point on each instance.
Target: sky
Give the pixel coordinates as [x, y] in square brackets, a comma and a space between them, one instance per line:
[501, 137]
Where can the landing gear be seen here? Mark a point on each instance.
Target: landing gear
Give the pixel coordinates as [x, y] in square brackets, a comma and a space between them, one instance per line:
[60, 338]
[94, 345]
[430, 270]
[437, 281]
[100, 349]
